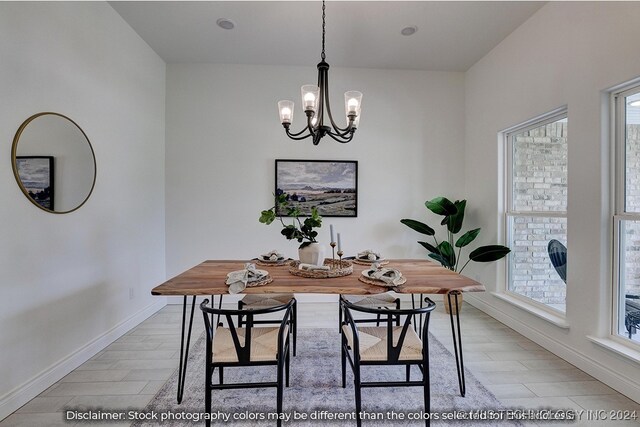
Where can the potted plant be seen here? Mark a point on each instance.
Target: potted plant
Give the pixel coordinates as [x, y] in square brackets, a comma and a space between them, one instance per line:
[309, 251]
[444, 252]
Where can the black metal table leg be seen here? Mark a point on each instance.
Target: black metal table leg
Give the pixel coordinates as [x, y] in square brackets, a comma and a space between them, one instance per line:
[184, 350]
[457, 340]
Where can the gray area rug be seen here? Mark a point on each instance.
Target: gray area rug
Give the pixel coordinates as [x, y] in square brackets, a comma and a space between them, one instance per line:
[315, 387]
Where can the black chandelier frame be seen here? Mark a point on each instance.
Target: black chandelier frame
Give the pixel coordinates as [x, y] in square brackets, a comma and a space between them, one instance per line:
[319, 129]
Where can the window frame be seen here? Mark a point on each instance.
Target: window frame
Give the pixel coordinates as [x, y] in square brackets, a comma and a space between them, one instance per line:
[620, 214]
[508, 213]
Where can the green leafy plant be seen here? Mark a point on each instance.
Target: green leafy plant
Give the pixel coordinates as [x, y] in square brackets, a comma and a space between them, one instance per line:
[444, 252]
[302, 231]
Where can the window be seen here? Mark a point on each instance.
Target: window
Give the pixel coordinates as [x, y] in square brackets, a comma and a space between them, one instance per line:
[627, 214]
[536, 207]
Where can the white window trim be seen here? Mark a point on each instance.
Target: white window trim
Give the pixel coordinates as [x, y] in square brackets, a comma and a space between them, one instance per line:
[620, 214]
[536, 308]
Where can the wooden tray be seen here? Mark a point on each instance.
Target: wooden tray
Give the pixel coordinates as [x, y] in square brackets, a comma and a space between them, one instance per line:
[345, 268]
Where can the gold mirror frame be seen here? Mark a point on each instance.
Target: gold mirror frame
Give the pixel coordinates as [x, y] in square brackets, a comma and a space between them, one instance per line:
[14, 163]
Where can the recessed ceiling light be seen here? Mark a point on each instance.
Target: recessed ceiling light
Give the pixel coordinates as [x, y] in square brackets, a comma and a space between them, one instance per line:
[635, 103]
[225, 23]
[409, 31]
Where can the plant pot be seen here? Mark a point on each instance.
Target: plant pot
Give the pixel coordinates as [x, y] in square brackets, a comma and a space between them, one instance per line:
[455, 308]
[313, 253]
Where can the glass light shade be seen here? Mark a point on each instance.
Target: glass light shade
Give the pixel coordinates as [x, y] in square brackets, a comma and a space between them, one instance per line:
[352, 102]
[310, 95]
[285, 108]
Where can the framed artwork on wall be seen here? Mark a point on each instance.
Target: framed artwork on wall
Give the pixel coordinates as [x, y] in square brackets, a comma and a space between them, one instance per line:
[329, 185]
[36, 175]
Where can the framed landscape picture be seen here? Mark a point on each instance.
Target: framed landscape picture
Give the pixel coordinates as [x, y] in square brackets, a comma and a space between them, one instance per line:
[36, 176]
[329, 185]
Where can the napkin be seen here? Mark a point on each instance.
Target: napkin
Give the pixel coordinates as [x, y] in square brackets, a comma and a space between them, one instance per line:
[273, 255]
[368, 254]
[390, 276]
[237, 280]
[313, 267]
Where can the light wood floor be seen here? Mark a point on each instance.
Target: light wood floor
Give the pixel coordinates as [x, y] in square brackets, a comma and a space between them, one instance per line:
[131, 370]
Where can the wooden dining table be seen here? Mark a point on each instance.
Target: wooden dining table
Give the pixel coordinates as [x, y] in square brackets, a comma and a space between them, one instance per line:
[422, 277]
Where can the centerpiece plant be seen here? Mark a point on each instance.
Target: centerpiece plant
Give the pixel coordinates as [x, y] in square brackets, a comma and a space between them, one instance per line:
[302, 231]
[444, 252]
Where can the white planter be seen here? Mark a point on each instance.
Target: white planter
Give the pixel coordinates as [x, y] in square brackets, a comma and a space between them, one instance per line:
[313, 253]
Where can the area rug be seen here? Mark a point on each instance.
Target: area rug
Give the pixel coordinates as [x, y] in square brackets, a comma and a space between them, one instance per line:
[316, 397]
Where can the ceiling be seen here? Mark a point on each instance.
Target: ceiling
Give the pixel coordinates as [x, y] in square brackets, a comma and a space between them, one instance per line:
[451, 36]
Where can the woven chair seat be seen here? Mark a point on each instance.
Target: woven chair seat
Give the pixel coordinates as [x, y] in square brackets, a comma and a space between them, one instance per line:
[374, 301]
[373, 343]
[266, 300]
[264, 344]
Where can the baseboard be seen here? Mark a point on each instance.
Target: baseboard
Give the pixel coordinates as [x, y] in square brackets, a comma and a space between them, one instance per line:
[22, 394]
[586, 363]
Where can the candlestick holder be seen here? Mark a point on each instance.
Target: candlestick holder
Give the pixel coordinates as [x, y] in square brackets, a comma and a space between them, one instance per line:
[340, 253]
[333, 254]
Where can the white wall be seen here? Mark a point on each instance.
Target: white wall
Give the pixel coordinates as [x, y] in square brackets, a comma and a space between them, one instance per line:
[65, 279]
[566, 54]
[223, 134]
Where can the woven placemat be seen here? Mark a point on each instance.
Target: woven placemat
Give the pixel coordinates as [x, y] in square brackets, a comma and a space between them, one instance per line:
[262, 282]
[369, 262]
[344, 268]
[278, 263]
[370, 281]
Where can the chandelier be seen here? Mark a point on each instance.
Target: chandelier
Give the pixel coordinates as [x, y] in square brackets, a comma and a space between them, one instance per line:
[315, 101]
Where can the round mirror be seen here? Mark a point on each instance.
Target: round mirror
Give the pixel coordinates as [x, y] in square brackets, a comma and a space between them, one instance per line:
[53, 162]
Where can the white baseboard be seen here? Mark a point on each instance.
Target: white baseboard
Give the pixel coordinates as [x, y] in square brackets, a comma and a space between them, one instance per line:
[22, 394]
[584, 362]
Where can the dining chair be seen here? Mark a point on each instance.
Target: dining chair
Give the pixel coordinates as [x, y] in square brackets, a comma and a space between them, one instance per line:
[252, 301]
[632, 314]
[249, 346]
[558, 256]
[381, 301]
[386, 345]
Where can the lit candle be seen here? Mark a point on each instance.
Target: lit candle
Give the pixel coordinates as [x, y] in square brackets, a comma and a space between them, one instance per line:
[339, 244]
[331, 228]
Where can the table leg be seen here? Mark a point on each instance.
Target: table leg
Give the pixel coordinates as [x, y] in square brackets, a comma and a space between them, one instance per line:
[457, 340]
[184, 350]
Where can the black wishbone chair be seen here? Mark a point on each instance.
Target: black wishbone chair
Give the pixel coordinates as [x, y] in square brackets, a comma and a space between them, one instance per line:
[249, 346]
[386, 345]
[372, 301]
[252, 301]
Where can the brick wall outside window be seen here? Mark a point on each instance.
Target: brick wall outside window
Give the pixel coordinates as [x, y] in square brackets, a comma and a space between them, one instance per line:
[539, 182]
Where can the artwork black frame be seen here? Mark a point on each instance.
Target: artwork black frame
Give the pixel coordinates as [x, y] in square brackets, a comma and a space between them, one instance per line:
[341, 208]
[51, 175]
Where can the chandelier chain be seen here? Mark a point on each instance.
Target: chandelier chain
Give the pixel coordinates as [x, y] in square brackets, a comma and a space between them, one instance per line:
[323, 30]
